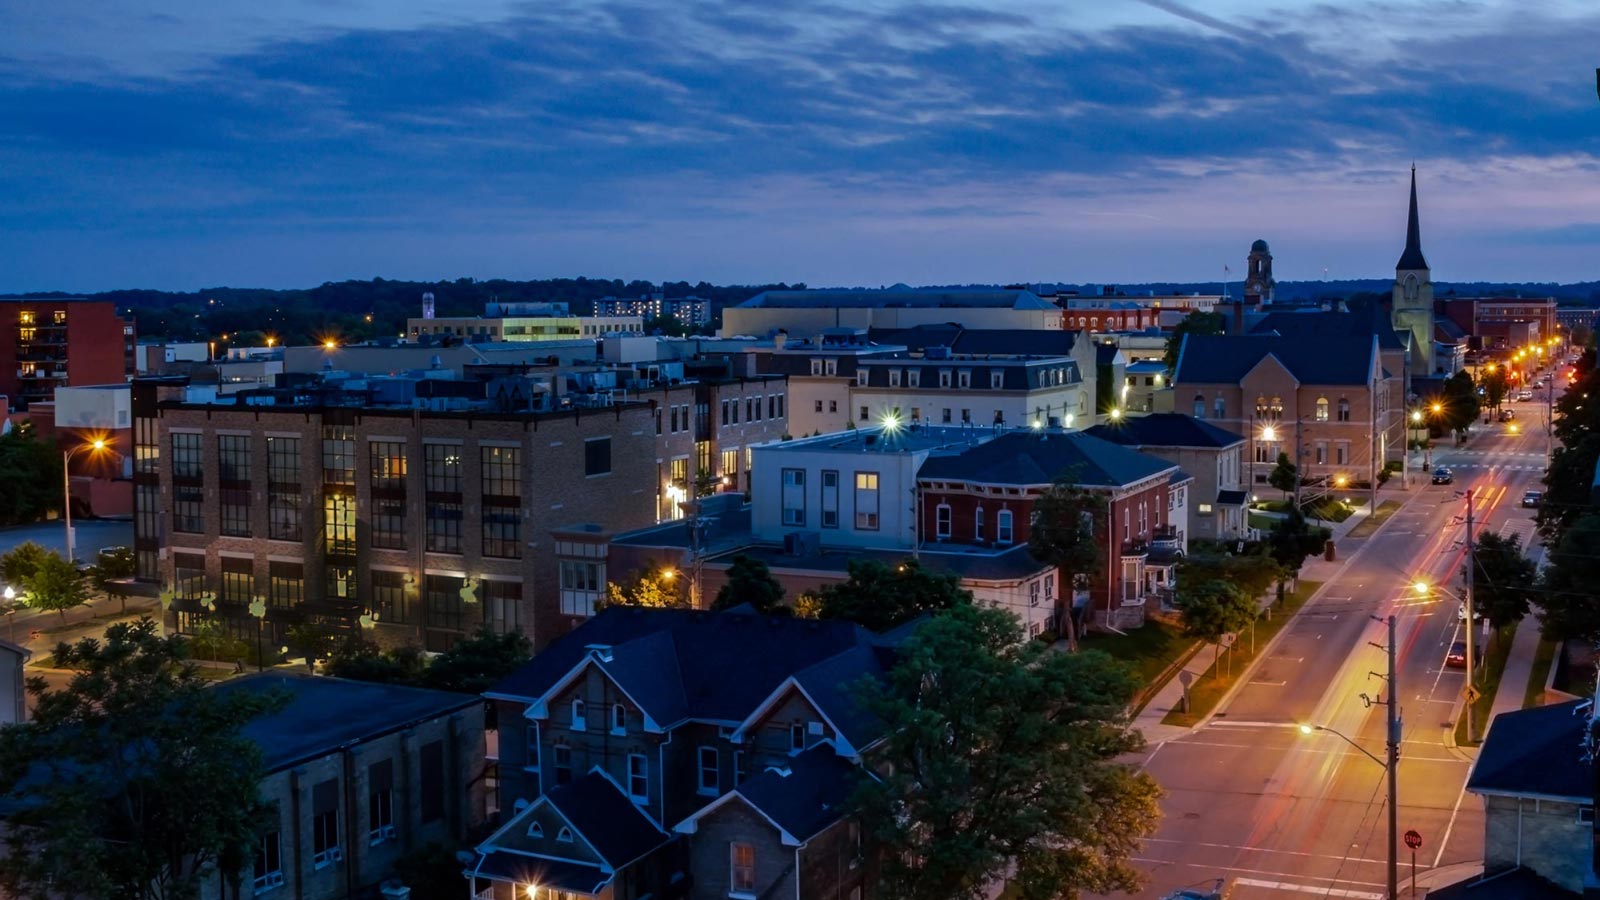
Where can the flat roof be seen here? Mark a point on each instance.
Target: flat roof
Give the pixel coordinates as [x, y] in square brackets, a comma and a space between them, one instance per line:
[905, 439]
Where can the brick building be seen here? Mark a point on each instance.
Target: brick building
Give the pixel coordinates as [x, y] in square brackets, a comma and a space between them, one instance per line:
[49, 342]
[1214, 456]
[672, 753]
[358, 776]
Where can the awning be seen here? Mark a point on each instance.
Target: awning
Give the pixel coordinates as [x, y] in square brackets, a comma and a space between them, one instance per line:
[1232, 498]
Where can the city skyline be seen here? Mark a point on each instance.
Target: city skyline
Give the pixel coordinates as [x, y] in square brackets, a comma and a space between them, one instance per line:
[977, 143]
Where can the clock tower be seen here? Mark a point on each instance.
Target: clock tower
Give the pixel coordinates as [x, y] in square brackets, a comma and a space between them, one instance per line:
[1258, 283]
[1412, 299]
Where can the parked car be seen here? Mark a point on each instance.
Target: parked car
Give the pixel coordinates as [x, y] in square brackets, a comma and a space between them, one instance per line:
[1441, 475]
[1457, 657]
[1218, 892]
[1532, 499]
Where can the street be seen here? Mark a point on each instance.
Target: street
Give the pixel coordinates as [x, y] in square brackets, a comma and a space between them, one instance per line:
[1279, 813]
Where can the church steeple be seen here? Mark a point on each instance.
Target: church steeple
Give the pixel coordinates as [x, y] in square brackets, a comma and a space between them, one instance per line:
[1412, 258]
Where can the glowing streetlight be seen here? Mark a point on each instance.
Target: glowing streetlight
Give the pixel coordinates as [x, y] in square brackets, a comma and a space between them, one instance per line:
[1416, 416]
[330, 344]
[1115, 414]
[668, 574]
[1268, 433]
[1438, 408]
[94, 446]
[271, 341]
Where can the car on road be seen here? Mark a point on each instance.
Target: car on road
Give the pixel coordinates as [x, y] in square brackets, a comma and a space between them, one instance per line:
[1532, 499]
[1457, 657]
[1219, 892]
[1507, 415]
[1525, 395]
[1441, 475]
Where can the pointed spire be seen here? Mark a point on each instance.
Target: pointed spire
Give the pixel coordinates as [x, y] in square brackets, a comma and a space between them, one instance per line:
[1412, 257]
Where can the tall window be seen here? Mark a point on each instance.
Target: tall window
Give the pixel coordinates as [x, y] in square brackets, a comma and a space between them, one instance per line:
[1322, 409]
[431, 781]
[283, 489]
[380, 802]
[325, 824]
[286, 585]
[338, 454]
[730, 466]
[444, 527]
[387, 465]
[441, 467]
[1344, 410]
[1002, 526]
[444, 610]
[502, 471]
[188, 574]
[977, 524]
[389, 596]
[561, 756]
[580, 716]
[596, 457]
[339, 522]
[741, 868]
[238, 580]
[1199, 406]
[582, 584]
[708, 783]
[186, 462]
[188, 509]
[233, 458]
[941, 518]
[830, 499]
[502, 603]
[269, 862]
[233, 507]
[638, 778]
[867, 501]
[794, 497]
[502, 531]
[1221, 407]
[388, 530]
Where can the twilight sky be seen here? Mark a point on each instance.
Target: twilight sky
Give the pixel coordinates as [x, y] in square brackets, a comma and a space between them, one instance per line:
[187, 143]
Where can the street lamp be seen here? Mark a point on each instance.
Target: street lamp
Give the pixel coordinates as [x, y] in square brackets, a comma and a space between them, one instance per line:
[66, 486]
[11, 612]
[1423, 589]
[1391, 760]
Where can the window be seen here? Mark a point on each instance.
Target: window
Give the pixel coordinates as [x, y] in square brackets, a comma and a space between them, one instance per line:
[619, 719]
[797, 736]
[867, 501]
[997, 379]
[861, 380]
[388, 530]
[894, 378]
[941, 518]
[1199, 406]
[431, 782]
[708, 771]
[443, 523]
[819, 406]
[1033, 593]
[863, 417]
[325, 824]
[441, 468]
[233, 505]
[738, 768]
[443, 608]
[339, 522]
[830, 499]
[833, 406]
[188, 509]
[741, 868]
[1221, 407]
[1002, 526]
[564, 835]
[387, 465]
[502, 531]
[233, 458]
[977, 524]
[1322, 409]
[831, 366]
[580, 716]
[944, 416]
[794, 497]
[338, 454]
[380, 802]
[730, 466]
[816, 367]
[1586, 814]
[581, 586]
[238, 580]
[389, 596]
[1344, 410]
[283, 489]
[596, 457]
[269, 862]
[536, 830]
[186, 456]
[502, 471]
[944, 378]
[638, 778]
[563, 764]
[964, 378]
[913, 378]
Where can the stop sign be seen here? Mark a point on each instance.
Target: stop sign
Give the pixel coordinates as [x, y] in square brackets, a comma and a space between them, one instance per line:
[1413, 840]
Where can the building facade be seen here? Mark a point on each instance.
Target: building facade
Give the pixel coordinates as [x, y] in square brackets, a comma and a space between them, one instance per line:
[51, 342]
[694, 312]
[805, 314]
[1219, 497]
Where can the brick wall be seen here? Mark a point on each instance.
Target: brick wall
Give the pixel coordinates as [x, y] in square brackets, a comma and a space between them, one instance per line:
[1543, 835]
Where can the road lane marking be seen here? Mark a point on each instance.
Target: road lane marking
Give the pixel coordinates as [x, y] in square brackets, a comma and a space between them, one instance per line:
[1307, 889]
[1355, 859]
[1194, 865]
[1445, 842]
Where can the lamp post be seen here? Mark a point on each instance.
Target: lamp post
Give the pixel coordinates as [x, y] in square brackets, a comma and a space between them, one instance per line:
[1391, 760]
[11, 613]
[66, 487]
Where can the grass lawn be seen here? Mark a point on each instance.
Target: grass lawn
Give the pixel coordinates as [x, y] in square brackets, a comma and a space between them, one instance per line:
[1263, 523]
[1208, 690]
[1154, 651]
[1367, 526]
[1543, 659]
[1326, 510]
[1493, 666]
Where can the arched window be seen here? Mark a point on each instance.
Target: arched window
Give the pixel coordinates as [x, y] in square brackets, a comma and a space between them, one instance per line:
[1344, 409]
[564, 835]
[1002, 527]
[536, 830]
[1263, 411]
[1322, 409]
[580, 716]
[619, 718]
[1199, 406]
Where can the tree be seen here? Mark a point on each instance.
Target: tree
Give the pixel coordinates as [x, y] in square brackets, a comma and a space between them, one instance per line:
[1503, 579]
[1570, 610]
[362, 660]
[1494, 387]
[1458, 403]
[20, 562]
[999, 761]
[750, 581]
[1252, 573]
[1211, 609]
[659, 589]
[1285, 476]
[1196, 322]
[1063, 535]
[30, 477]
[1291, 540]
[133, 781]
[110, 566]
[312, 641]
[56, 585]
[477, 663]
[879, 597]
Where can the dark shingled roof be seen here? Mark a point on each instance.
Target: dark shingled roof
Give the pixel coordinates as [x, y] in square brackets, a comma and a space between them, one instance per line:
[1025, 458]
[899, 297]
[1411, 257]
[681, 664]
[1321, 360]
[324, 714]
[978, 341]
[1165, 430]
[810, 797]
[503, 865]
[1320, 323]
[1515, 884]
[1535, 752]
[612, 824]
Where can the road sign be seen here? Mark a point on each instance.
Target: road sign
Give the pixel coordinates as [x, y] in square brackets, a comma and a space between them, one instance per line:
[1471, 693]
[1413, 840]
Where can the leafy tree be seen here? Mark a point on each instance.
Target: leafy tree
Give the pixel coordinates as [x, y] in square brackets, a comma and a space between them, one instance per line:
[1502, 580]
[363, 660]
[1211, 609]
[20, 562]
[475, 664]
[1196, 322]
[1291, 540]
[133, 781]
[665, 588]
[1458, 403]
[56, 585]
[1252, 573]
[1577, 450]
[30, 477]
[984, 734]
[1570, 610]
[312, 641]
[1285, 475]
[1063, 535]
[209, 640]
[750, 581]
[878, 597]
[110, 566]
[1494, 387]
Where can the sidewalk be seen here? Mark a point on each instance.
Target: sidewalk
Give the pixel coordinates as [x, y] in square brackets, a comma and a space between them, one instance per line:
[1513, 687]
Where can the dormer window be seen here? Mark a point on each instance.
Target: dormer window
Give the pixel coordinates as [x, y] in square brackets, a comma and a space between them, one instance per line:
[997, 379]
[619, 718]
[580, 716]
[861, 379]
[894, 378]
[536, 830]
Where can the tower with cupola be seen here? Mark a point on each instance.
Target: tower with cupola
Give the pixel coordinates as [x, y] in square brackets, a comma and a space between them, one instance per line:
[1258, 283]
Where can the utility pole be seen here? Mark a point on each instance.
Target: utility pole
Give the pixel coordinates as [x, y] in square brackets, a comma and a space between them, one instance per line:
[1299, 463]
[1392, 757]
[1472, 565]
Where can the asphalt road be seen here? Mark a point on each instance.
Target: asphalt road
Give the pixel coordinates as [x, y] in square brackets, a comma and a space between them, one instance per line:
[1280, 814]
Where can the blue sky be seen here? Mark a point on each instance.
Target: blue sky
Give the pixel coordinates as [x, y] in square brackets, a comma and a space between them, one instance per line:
[194, 143]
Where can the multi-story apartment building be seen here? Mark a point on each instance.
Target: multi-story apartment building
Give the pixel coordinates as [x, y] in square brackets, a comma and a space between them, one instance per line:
[1214, 456]
[1501, 323]
[50, 342]
[1325, 401]
[805, 314]
[357, 776]
[680, 754]
[694, 312]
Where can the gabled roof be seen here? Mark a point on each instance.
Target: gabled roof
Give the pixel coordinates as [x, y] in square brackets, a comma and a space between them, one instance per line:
[800, 800]
[1025, 458]
[612, 824]
[899, 297]
[1325, 323]
[1536, 752]
[1165, 430]
[830, 687]
[686, 664]
[1447, 331]
[1320, 360]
